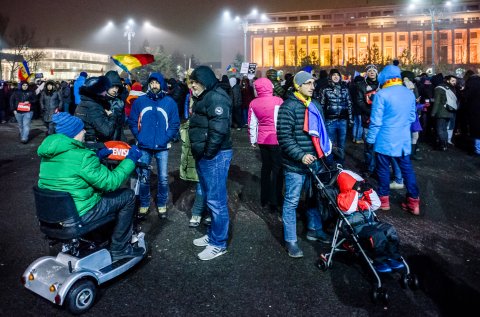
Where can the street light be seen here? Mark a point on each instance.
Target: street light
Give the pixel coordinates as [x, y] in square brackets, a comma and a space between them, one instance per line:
[129, 33]
[244, 23]
[432, 11]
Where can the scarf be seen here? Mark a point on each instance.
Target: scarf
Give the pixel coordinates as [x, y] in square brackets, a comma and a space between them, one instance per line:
[392, 82]
[315, 127]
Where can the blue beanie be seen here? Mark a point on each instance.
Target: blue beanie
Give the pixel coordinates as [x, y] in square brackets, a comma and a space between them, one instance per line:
[389, 72]
[84, 74]
[67, 124]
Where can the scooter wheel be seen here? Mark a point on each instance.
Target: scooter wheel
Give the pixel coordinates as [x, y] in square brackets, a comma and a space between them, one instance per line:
[81, 297]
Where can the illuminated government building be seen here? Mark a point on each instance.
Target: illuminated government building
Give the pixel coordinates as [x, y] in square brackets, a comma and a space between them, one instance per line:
[334, 37]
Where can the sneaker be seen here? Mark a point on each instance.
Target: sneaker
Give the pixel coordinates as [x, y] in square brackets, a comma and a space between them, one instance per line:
[360, 141]
[211, 252]
[143, 210]
[162, 212]
[395, 264]
[318, 235]
[293, 250]
[129, 252]
[382, 267]
[194, 221]
[207, 221]
[395, 185]
[201, 242]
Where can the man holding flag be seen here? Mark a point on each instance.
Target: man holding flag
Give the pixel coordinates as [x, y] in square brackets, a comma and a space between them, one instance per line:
[303, 139]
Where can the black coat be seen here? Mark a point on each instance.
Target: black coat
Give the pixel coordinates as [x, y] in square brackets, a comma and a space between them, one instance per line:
[363, 88]
[472, 98]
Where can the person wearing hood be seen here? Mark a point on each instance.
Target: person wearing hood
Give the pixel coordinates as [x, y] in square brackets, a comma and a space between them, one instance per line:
[154, 122]
[21, 104]
[262, 122]
[79, 82]
[94, 110]
[365, 94]
[67, 165]
[50, 103]
[65, 92]
[117, 103]
[393, 112]
[337, 106]
[211, 146]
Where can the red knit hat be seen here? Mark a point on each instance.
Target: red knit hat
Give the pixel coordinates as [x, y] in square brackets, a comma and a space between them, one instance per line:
[137, 86]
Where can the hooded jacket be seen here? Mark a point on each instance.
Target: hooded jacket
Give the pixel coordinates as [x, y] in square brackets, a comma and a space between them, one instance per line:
[262, 114]
[50, 101]
[154, 119]
[67, 166]
[393, 112]
[209, 129]
[79, 82]
[99, 125]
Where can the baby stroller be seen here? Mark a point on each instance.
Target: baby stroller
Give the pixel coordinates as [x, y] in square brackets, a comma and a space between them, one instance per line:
[355, 231]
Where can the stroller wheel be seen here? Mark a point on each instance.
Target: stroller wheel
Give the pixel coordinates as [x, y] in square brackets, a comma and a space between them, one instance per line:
[409, 280]
[379, 294]
[322, 263]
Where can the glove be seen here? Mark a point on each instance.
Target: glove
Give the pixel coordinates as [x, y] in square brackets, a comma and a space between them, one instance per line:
[104, 153]
[134, 154]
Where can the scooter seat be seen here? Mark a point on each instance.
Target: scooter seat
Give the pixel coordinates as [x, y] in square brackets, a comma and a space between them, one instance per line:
[58, 215]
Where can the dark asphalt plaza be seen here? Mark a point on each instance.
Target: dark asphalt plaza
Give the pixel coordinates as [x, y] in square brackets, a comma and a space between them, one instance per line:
[256, 277]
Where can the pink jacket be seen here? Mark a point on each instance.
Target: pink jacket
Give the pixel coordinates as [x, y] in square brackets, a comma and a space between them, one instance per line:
[262, 114]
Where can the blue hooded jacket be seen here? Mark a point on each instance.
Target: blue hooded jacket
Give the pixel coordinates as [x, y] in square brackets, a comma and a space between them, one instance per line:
[154, 119]
[393, 112]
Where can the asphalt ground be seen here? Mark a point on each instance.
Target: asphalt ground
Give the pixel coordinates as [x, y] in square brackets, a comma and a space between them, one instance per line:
[256, 277]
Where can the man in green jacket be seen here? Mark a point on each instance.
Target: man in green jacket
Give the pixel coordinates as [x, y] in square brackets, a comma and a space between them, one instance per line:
[67, 166]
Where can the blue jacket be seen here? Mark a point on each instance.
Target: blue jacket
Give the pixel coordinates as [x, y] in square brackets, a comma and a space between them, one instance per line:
[76, 88]
[154, 119]
[393, 112]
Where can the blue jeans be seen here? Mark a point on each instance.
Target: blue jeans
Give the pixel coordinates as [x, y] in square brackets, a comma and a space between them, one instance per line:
[383, 171]
[24, 120]
[294, 184]
[213, 180]
[397, 173]
[357, 131]
[337, 132]
[161, 157]
[368, 155]
[199, 206]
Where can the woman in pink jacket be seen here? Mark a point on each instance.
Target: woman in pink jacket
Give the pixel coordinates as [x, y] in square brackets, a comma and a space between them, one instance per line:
[262, 120]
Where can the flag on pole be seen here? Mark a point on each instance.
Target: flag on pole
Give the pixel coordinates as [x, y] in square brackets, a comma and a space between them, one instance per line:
[23, 71]
[127, 62]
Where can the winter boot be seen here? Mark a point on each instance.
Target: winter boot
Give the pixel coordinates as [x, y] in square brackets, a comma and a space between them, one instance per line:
[415, 155]
[384, 203]
[412, 205]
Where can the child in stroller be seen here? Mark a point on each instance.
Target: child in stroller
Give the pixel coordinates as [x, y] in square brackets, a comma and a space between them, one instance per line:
[358, 201]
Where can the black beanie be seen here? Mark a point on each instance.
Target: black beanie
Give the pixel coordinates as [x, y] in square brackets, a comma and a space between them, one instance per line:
[334, 71]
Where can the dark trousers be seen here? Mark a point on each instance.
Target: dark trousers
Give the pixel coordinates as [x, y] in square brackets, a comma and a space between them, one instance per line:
[271, 175]
[121, 203]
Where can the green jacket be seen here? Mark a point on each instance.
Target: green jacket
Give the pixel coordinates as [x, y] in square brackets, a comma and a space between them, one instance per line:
[67, 166]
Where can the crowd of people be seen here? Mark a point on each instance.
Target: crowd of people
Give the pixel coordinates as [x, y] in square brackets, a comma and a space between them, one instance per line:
[300, 124]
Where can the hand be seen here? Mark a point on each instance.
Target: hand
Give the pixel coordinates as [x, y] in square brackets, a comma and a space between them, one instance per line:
[108, 112]
[134, 154]
[308, 159]
[104, 153]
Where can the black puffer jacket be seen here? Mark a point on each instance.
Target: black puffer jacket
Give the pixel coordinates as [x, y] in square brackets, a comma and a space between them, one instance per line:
[99, 126]
[209, 129]
[336, 102]
[365, 87]
[293, 141]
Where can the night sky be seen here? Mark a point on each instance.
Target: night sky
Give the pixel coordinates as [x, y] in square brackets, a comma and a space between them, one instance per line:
[192, 27]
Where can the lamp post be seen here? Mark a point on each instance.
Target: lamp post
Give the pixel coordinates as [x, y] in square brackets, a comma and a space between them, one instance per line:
[244, 24]
[433, 11]
[129, 34]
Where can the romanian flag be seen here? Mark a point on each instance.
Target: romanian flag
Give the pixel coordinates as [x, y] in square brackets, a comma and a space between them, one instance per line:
[127, 62]
[23, 71]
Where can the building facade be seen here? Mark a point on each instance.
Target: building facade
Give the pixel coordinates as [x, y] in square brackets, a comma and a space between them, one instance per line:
[350, 36]
[60, 64]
